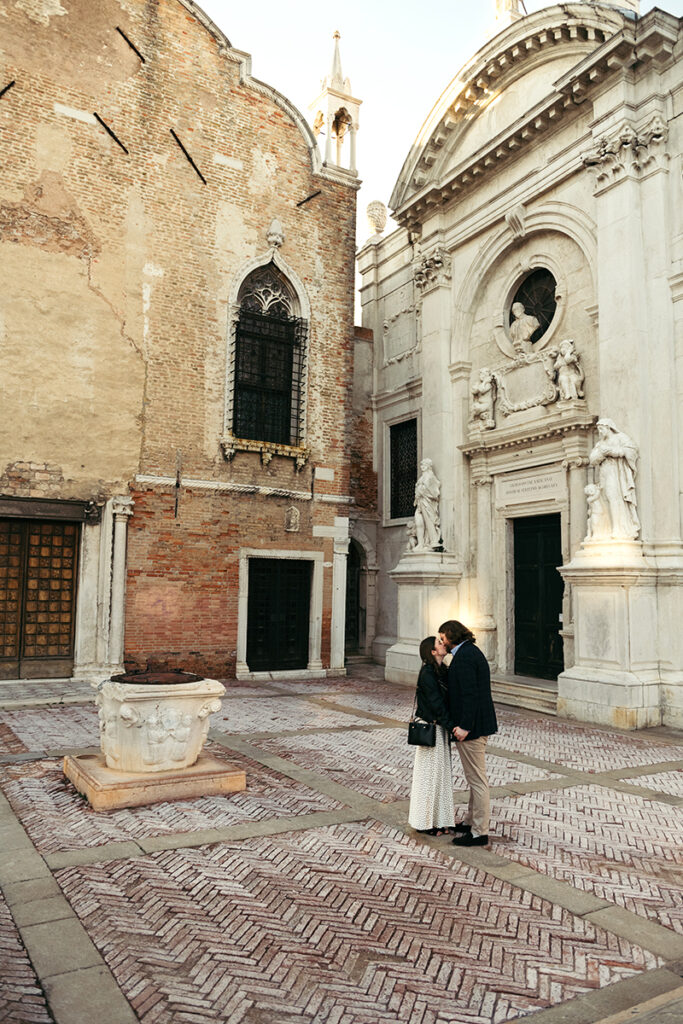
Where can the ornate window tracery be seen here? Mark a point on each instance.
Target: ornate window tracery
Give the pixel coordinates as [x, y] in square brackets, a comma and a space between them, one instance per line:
[265, 408]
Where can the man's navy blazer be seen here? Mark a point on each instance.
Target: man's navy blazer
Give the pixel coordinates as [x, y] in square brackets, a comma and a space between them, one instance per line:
[469, 692]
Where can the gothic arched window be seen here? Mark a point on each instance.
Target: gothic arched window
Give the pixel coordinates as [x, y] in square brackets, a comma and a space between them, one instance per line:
[269, 351]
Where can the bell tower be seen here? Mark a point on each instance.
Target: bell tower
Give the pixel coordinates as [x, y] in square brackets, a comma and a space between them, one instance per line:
[335, 115]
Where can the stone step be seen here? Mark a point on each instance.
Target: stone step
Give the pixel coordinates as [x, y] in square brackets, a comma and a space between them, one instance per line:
[518, 691]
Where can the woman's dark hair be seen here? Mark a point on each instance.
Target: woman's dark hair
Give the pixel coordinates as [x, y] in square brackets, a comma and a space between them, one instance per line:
[456, 633]
[426, 651]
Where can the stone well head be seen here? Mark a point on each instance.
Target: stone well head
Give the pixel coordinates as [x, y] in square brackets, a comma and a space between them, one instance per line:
[155, 721]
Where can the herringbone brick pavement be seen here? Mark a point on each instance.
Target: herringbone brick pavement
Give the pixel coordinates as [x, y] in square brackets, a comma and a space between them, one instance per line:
[333, 684]
[396, 705]
[277, 714]
[580, 745]
[351, 923]
[662, 782]
[379, 763]
[57, 818]
[619, 846]
[52, 728]
[21, 998]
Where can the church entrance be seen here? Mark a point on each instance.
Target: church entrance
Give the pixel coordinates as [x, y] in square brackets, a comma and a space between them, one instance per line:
[278, 617]
[538, 597]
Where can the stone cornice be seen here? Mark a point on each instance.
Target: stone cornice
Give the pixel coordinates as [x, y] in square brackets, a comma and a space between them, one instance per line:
[524, 435]
[408, 392]
[649, 40]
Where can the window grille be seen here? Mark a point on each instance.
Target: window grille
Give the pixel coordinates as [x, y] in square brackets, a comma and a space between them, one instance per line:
[270, 346]
[403, 461]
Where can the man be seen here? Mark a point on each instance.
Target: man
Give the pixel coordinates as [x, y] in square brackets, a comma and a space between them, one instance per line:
[474, 718]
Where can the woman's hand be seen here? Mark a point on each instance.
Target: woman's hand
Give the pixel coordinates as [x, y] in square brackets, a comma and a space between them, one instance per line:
[460, 734]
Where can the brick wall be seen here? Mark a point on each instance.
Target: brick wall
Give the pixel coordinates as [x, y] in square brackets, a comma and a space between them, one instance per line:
[124, 266]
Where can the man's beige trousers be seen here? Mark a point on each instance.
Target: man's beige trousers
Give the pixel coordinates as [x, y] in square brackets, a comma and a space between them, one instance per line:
[472, 755]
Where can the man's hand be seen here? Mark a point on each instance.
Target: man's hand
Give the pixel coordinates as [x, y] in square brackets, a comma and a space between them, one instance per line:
[460, 734]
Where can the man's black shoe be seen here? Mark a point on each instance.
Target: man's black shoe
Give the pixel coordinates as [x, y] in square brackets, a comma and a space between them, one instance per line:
[462, 827]
[467, 839]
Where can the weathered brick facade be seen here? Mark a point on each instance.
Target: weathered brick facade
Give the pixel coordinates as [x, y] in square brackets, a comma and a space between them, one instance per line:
[122, 272]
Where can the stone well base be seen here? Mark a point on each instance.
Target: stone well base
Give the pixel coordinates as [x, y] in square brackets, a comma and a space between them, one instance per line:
[107, 789]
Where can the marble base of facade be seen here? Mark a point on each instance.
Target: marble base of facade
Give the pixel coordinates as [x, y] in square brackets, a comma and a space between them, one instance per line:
[616, 676]
[427, 595]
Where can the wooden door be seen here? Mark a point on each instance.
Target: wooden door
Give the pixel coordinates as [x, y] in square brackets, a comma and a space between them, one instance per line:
[38, 575]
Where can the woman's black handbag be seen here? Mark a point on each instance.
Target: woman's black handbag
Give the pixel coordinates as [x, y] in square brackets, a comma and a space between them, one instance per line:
[421, 734]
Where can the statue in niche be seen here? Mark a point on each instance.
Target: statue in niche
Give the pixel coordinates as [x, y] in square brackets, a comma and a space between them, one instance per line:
[427, 521]
[598, 519]
[483, 399]
[522, 328]
[411, 535]
[292, 519]
[570, 375]
[614, 459]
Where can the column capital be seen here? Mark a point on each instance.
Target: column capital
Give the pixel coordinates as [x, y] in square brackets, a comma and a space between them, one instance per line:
[122, 505]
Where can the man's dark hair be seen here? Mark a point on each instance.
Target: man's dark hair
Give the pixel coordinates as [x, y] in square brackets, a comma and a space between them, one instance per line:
[456, 633]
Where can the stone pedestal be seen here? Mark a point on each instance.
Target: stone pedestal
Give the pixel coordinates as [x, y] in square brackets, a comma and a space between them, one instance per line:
[615, 677]
[106, 789]
[151, 734]
[427, 595]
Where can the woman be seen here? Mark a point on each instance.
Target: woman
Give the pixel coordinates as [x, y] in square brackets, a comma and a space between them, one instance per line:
[431, 797]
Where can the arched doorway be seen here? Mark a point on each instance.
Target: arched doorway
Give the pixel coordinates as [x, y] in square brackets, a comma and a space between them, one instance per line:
[355, 613]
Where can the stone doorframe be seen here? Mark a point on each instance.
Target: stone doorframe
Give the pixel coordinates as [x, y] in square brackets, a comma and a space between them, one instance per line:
[518, 472]
[101, 598]
[314, 668]
[361, 533]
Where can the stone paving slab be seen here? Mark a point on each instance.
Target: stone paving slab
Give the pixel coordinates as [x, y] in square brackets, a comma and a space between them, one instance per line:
[621, 847]
[57, 818]
[21, 997]
[379, 763]
[356, 916]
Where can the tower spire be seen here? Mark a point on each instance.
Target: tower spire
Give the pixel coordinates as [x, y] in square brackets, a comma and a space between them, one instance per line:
[335, 113]
[336, 78]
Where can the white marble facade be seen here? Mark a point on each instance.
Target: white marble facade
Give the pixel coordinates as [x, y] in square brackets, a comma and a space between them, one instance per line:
[553, 164]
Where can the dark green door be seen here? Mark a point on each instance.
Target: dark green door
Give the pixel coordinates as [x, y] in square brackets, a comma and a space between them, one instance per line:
[538, 597]
[278, 616]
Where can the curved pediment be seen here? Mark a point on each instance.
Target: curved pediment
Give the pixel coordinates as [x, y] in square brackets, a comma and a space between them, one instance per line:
[508, 78]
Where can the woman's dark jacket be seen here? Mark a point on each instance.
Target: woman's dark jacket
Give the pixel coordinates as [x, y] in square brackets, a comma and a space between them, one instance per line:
[469, 692]
[431, 696]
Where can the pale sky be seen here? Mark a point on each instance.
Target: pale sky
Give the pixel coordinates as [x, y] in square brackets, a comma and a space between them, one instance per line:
[399, 55]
